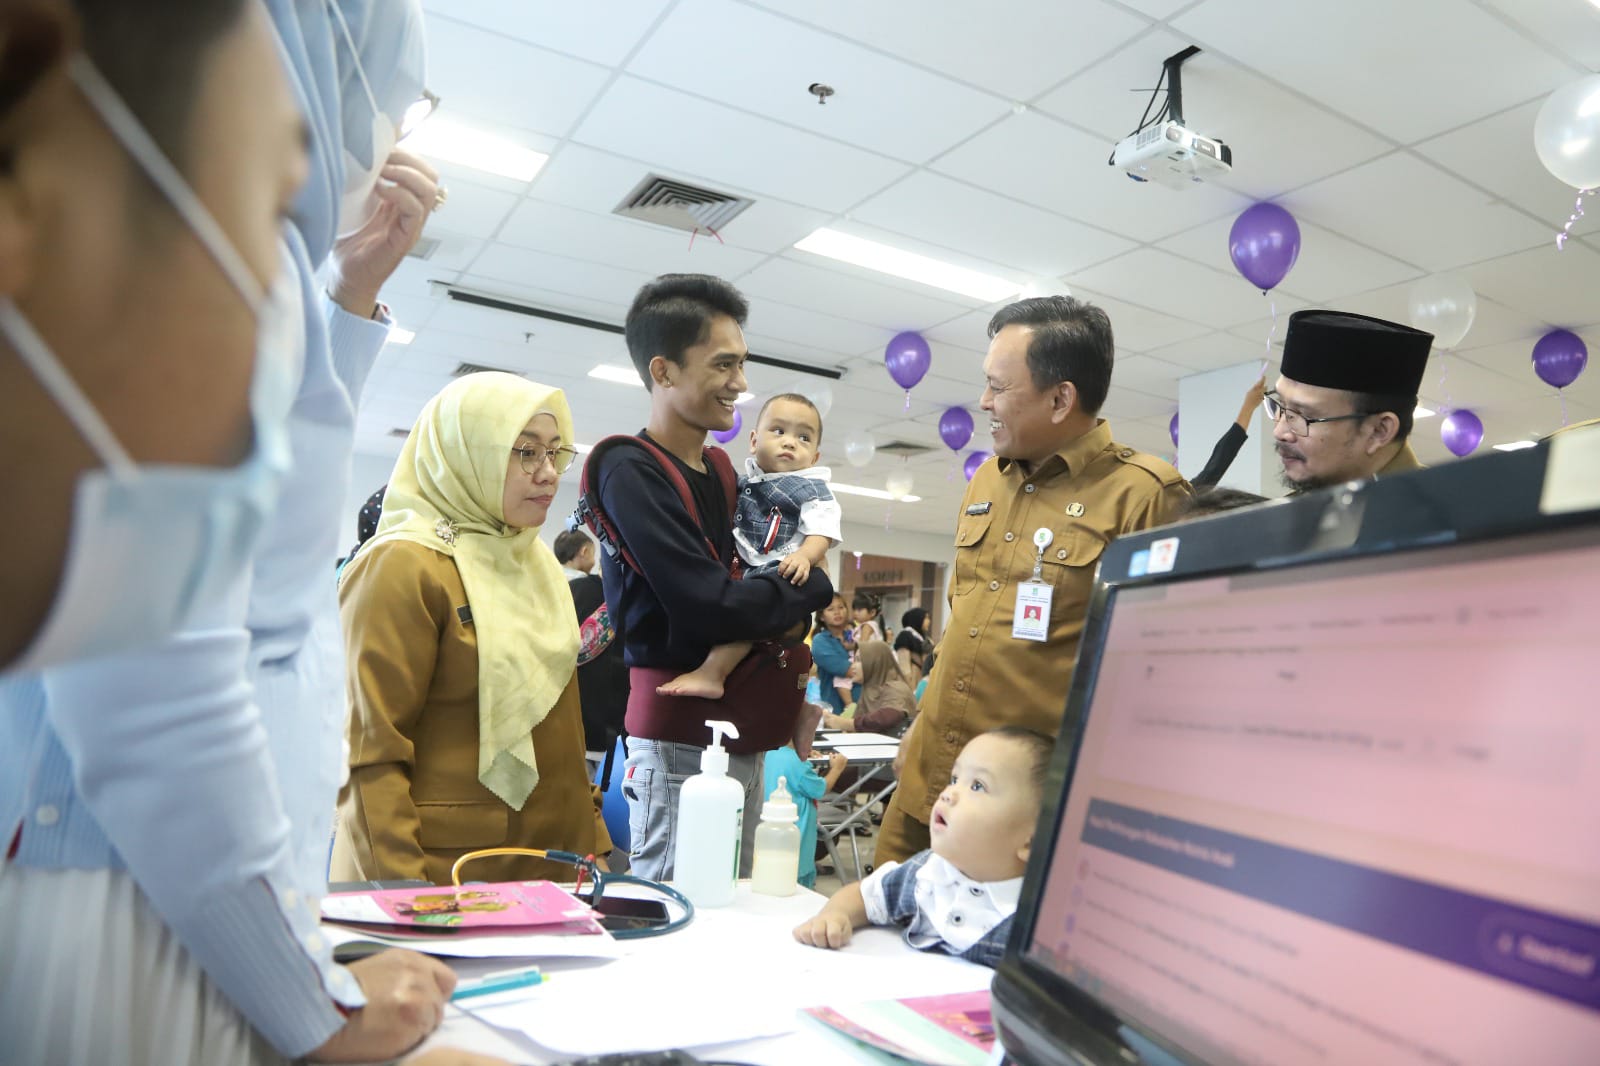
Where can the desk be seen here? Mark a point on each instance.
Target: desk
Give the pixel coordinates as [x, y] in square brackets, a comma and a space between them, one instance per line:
[723, 960]
[873, 756]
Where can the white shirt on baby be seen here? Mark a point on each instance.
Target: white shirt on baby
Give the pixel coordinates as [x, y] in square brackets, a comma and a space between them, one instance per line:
[951, 907]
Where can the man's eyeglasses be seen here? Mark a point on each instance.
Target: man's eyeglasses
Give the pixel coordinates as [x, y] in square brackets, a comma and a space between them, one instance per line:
[534, 456]
[1298, 423]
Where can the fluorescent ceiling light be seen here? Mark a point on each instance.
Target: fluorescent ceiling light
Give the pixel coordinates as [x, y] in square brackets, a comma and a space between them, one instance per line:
[397, 335]
[909, 265]
[745, 397]
[1516, 446]
[875, 494]
[617, 375]
[454, 143]
[1423, 412]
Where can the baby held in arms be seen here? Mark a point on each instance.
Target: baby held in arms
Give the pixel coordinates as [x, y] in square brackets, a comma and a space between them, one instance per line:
[960, 895]
[786, 521]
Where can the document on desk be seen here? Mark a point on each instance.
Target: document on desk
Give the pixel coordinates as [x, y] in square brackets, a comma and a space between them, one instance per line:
[735, 974]
[952, 1030]
[506, 946]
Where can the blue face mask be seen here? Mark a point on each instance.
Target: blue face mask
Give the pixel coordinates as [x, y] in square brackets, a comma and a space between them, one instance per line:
[153, 548]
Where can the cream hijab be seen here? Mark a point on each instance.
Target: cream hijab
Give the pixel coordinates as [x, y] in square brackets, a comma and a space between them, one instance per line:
[446, 492]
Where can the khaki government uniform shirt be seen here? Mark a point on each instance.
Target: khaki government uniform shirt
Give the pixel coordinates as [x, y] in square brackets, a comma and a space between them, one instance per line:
[414, 804]
[1405, 459]
[1088, 493]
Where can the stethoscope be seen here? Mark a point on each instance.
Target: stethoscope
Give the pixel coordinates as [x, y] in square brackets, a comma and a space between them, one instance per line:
[586, 864]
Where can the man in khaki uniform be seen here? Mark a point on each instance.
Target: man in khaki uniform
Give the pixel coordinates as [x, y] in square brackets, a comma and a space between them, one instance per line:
[1059, 490]
[1342, 368]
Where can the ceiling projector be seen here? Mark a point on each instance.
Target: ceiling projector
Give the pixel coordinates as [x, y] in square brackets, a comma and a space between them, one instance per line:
[1169, 154]
[1164, 150]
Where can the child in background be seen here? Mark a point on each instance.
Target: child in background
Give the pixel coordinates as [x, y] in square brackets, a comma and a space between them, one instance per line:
[787, 520]
[864, 609]
[959, 896]
[807, 787]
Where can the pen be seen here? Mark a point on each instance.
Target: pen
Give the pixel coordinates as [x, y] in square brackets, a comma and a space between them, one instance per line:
[501, 983]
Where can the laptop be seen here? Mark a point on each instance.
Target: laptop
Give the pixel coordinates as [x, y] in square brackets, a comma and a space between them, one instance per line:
[1331, 792]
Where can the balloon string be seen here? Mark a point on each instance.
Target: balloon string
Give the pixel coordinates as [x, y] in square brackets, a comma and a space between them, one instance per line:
[908, 399]
[1444, 376]
[1271, 333]
[1563, 394]
[1577, 213]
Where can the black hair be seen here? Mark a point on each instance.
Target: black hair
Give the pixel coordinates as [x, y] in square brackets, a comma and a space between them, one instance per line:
[820, 626]
[913, 619]
[865, 601]
[367, 520]
[153, 55]
[1402, 407]
[1217, 499]
[1071, 342]
[673, 313]
[1039, 748]
[792, 397]
[569, 543]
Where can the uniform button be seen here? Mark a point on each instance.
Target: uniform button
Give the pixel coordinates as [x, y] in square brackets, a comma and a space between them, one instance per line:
[1029, 488]
[1010, 537]
[950, 738]
[976, 891]
[961, 686]
[994, 586]
[1126, 453]
[972, 632]
[956, 918]
[47, 815]
[1061, 553]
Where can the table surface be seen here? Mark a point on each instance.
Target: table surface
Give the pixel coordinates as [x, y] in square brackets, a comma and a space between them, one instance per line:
[842, 739]
[724, 957]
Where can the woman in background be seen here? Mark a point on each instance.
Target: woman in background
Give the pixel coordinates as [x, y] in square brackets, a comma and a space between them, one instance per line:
[885, 704]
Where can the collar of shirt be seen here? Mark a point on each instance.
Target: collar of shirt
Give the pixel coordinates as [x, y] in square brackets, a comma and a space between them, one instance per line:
[954, 908]
[571, 574]
[752, 472]
[1074, 456]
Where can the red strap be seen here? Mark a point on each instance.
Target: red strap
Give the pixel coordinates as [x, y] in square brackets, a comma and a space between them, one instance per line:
[716, 459]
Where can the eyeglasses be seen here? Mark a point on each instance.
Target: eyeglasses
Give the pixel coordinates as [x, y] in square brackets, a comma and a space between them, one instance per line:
[418, 113]
[1298, 423]
[534, 456]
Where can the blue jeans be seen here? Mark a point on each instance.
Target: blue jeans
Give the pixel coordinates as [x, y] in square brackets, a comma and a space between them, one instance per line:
[652, 778]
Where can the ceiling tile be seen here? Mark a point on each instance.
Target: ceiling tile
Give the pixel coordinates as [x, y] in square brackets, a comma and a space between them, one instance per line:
[1132, 404]
[472, 210]
[1409, 209]
[1178, 286]
[1280, 140]
[940, 210]
[1139, 329]
[484, 76]
[768, 62]
[1556, 286]
[970, 331]
[1039, 160]
[1017, 48]
[1397, 85]
[1328, 267]
[1494, 322]
[623, 242]
[696, 136]
[773, 317]
[1573, 29]
[807, 284]
[1149, 375]
[576, 277]
[603, 33]
[1216, 350]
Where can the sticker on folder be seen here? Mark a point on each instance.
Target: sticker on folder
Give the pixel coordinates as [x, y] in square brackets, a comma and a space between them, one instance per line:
[517, 904]
[1163, 555]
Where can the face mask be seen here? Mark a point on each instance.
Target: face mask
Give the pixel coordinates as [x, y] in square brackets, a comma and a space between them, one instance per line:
[153, 547]
[365, 154]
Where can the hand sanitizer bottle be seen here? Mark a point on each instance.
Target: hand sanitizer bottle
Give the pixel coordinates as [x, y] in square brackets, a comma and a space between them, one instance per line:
[705, 861]
[777, 863]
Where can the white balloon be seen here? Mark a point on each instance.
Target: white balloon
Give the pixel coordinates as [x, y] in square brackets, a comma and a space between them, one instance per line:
[1567, 133]
[899, 484]
[821, 396]
[859, 448]
[1444, 305]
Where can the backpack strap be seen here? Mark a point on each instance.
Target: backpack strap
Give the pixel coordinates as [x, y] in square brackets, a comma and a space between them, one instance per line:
[591, 514]
[718, 461]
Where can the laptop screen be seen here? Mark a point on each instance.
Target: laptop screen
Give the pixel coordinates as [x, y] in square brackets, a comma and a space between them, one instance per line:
[1344, 812]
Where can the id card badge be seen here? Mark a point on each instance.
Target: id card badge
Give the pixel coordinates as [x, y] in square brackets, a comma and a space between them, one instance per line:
[1032, 618]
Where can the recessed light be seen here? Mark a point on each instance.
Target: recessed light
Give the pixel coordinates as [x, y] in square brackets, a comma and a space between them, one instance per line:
[899, 263]
[455, 143]
[875, 494]
[397, 335]
[617, 375]
[1423, 412]
[1516, 445]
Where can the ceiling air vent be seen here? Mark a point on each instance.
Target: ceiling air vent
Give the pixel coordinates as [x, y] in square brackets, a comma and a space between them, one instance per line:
[903, 448]
[463, 369]
[679, 205]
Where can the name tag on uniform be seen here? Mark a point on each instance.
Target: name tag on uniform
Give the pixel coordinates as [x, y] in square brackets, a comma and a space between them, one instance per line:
[979, 508]
[1032, 618]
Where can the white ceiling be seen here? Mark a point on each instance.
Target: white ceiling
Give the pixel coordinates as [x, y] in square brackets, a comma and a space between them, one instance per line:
[1398, 134]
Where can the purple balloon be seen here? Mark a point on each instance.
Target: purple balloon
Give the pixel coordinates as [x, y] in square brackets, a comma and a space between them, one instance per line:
[1559, 358]
[723, 436]
[908, 359]
[1264, 243]
[974, 460]
[1461, 431]
[955, 428]
[1172, 428]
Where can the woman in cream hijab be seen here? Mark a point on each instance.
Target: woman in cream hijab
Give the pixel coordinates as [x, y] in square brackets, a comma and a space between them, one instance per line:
[465, 729]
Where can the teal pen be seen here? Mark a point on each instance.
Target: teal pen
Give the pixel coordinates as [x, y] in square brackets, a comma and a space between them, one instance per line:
[503, 983]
